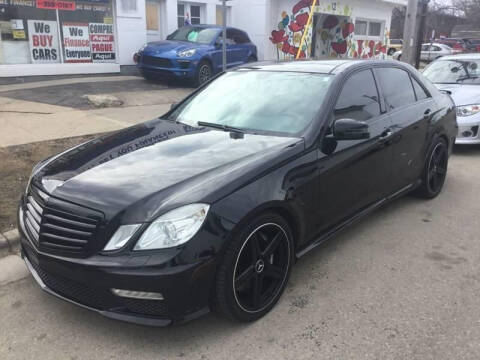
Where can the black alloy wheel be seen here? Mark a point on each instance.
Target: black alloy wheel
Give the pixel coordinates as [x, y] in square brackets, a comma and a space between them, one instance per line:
[435, 170]
[204, 73]
[255, 270]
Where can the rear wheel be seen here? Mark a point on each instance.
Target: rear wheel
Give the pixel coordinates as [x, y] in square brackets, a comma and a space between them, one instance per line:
[255, 269]
[435, 171]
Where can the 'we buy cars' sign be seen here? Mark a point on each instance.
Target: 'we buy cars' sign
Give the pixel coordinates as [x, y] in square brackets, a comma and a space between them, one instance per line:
[43, 39]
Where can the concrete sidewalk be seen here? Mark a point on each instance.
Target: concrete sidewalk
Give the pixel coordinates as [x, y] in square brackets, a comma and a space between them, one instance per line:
[23, 121]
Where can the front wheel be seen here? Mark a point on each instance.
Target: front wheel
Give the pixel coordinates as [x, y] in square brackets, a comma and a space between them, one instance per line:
[435, 171]
[255, 269]
[204, 73]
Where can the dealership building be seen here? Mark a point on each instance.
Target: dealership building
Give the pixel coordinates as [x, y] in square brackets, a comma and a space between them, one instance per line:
[53, 37]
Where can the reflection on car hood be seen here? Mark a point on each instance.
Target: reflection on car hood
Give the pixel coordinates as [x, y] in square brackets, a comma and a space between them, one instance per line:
[462, 94]
[158, 157]
[159, 47]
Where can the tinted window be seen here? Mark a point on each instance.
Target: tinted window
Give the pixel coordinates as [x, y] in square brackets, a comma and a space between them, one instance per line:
[359, 98]
[419, 91]
[236, 37]
[435, 48]
[397, 87]
[425, 47]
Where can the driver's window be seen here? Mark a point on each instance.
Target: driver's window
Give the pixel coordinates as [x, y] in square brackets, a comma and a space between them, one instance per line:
[359, 98]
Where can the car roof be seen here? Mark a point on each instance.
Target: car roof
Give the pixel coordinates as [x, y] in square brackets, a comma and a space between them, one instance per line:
[434, 43]
[332, 67]
[470, 56]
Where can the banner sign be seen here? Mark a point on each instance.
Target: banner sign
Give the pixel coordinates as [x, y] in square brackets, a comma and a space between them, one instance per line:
[102, 42]
[56, 4]
[43, 39]
[76, 42]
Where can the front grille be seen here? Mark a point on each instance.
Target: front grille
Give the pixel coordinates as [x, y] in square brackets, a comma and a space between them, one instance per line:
[97, 298]
[146, 307]
[53, 229]
[156, 61]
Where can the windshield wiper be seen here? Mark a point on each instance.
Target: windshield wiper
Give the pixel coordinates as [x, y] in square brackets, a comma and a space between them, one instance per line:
[221, 127]
[463, 78]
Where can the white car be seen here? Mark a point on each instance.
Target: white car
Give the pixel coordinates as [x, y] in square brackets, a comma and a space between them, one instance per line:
[430, 52]
[459, 75]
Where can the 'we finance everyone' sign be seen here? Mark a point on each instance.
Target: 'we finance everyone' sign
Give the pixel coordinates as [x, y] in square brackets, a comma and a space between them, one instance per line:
[76, 42]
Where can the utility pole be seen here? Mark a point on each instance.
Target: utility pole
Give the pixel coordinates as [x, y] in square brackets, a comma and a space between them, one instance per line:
[421, 31]
[410, 33]
[224, 35]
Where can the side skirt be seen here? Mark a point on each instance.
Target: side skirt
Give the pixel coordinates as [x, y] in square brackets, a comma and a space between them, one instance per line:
[346, 223]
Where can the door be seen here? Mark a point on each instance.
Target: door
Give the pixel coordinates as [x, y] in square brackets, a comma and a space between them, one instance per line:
[410, 107]
[233, 54]
[356, 174]
[425, 53]
[154, 26]
[435, 52]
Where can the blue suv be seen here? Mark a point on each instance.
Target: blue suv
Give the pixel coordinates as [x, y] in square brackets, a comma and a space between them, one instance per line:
[194, 53]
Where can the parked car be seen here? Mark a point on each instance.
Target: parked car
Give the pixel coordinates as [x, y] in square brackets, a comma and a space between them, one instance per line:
[459, 75]
[429, 52]
[210, 205]
[475, 43]
[457, 45]
[395, 45]
[194, 53]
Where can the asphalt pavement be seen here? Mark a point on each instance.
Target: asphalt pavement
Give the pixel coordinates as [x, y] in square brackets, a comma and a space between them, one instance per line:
[403, 283]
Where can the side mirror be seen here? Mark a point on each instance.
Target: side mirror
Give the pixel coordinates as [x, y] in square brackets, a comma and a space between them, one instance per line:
[219, 42]
[349, 129]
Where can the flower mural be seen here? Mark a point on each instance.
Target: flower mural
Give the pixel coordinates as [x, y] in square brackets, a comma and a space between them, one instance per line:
[334, 34]
[290, 29]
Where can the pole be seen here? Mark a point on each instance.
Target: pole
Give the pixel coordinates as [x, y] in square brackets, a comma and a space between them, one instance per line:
[409, 33]
[224, 43]
[421, 33]
[305, 29]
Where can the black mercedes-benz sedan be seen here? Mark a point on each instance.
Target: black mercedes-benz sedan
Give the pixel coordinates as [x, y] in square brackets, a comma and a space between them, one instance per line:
[210, 205]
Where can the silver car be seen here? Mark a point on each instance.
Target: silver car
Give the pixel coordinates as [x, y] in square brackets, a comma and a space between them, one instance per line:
[430, 52]
[459, 75]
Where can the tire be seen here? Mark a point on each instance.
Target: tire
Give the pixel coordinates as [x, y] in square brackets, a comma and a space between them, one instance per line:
[204, 73]
[251, 59]
[435, 170]
[258, 257]
[391, 51]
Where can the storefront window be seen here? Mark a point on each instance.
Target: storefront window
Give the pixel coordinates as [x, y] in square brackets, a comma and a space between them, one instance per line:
[56, 31]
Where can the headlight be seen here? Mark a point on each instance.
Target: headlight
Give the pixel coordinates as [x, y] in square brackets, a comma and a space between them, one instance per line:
[121, 237]
[142, 48]
[467, 110]
[187, 53]
[173, 228]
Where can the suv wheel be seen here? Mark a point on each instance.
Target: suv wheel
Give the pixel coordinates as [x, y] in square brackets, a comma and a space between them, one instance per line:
[435, 171]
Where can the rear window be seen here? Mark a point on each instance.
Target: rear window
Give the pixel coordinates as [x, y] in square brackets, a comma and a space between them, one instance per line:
[397, 87]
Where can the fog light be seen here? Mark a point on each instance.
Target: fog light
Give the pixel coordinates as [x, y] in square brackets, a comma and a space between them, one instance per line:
[467, 133]
[138, 294]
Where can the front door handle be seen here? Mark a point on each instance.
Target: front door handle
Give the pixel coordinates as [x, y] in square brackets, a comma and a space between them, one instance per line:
[386, 134]
[426, 114]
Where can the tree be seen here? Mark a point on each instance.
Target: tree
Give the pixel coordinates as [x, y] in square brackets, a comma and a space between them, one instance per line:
[469, 8]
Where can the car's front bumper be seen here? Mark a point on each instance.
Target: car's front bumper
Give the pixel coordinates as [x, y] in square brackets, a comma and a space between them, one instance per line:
[468, 130]
[89, 282]
[168, 68]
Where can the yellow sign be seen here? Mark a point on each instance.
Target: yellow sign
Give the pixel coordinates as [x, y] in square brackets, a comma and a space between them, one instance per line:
[18, 34]
[108, 20]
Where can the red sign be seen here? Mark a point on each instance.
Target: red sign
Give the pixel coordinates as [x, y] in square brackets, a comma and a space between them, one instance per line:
[56, 4]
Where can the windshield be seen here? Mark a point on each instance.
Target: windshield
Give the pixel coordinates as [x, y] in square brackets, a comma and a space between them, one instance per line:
[264, 101]
[195, 34]
[454, 72]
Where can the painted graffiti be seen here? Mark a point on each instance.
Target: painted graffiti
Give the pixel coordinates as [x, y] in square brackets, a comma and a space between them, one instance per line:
[290, 29]
[331, 34]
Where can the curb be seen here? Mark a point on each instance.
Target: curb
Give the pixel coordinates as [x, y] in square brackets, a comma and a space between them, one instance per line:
[9, 239]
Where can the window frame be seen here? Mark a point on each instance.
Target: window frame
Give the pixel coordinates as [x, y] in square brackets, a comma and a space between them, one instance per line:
[376, 69]
[381, 102]
[187, 8]
[412, 79]
[366, 36]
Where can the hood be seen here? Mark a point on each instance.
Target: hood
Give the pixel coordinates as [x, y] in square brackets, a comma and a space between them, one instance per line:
[161, 47]
[462, 94]
[158, 163]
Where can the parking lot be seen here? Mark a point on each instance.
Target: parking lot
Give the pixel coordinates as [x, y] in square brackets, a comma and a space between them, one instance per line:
[403, 283]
